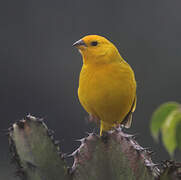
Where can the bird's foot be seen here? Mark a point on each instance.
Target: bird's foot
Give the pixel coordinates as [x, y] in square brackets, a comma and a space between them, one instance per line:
[104, 137]
[119, 127]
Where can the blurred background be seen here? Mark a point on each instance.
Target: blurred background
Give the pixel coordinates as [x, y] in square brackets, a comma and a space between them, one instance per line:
[40, 70]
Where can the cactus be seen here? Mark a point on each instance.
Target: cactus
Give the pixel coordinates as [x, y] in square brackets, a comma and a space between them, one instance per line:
[114, 156]
[170, 171]
[35, 152]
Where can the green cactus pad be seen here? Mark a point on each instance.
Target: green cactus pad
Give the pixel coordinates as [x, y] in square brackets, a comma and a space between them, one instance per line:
[35, 152]
[116, 157]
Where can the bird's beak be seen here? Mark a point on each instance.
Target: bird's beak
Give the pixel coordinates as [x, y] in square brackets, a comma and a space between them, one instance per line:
[79, 43]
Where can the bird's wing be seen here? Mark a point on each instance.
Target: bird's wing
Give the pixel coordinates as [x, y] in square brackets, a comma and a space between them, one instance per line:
[128, 119]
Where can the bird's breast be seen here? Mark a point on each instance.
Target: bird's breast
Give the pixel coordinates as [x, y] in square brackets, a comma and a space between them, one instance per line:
[106, 87]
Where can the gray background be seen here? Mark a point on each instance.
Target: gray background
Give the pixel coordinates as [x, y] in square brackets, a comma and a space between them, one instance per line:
[39, 69]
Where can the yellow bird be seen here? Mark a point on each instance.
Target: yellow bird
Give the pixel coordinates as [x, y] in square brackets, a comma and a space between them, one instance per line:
[107, 86]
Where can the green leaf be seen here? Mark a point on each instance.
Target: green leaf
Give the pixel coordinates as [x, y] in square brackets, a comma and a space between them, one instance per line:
[159, 117]
[169, 131]
[178, 135]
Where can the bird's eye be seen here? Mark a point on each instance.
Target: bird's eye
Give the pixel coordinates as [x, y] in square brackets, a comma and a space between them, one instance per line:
[94, 43]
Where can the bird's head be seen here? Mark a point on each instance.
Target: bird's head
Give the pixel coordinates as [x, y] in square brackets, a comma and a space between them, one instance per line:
[97, 49]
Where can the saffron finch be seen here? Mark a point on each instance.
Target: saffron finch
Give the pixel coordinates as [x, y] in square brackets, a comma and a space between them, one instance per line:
[107, 86]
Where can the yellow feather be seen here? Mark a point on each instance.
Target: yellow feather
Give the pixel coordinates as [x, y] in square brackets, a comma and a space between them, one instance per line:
[107, 86]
